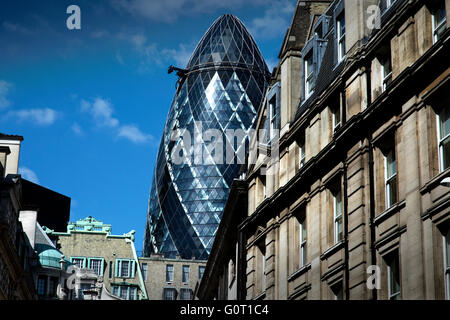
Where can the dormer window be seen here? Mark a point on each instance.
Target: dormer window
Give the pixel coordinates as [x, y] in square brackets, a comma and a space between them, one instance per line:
[340, 24]
[309, 75]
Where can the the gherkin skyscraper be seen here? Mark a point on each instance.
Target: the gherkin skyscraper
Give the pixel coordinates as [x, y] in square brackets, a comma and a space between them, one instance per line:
[221, 88]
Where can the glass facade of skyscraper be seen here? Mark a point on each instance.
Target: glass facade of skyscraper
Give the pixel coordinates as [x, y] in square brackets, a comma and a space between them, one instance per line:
[222, 89]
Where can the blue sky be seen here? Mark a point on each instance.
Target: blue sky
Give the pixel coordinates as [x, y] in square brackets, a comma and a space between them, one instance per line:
[91, 103]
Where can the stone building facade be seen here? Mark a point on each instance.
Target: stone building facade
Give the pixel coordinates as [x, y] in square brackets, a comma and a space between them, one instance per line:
[16, 253]
[89, 244]
[353, 207]
[170, 279]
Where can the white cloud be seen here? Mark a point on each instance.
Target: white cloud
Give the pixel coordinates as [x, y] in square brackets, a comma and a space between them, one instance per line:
[101, 110]
[150, 53]
[119, 58]
[4, 88]
[171, 10]
[133, 134]
[181, 55]
[13, 27]
[275, 21]
[76, 128]
[42, 117]
[28, 174]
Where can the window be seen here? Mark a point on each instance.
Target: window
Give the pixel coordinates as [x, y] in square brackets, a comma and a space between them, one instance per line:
[439, 20]
[261, 256]
[302, 239]
[96, 264]
[301, 151]
[144, 271]
[124, 268]
[444, 138]
[338, 292]
[83, 287]
[169, 273]
[125, 292]
[133, 293]
[273, 116]
[341, 36]
[336, 116]
[185, 275]
[201, 271]
[185, 294]
[393, 271]
[386, 4]
[309, 75]
[115, 290]
[42, 285]
[386, 68]
[390, 166]
[79, 262]
[447, 262]
[52, 286]
[169, 294]
[337, 213]
[110, 269]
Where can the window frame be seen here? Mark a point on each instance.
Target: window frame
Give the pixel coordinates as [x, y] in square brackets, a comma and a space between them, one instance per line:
[387, 77]
[119, 266]
[302, 241]
[338, 290]
[336, 114]
[272, 106]
[102, 264]
[338, 218]
[341, 36]
[446, 247]
[201, 273]
[130, 291]
[144, 271]
[41, 280]
[185, 276]
[172, 290]
[394, 258]
[442, 140]
[438, 26]
[309, 77]
[79, 258]
[172, 273]
[184, 290]
[387, 4]
[301, 152]
[390, 180]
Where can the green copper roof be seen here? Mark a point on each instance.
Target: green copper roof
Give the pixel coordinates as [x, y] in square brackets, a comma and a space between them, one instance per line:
[89, 224]
[49, 256]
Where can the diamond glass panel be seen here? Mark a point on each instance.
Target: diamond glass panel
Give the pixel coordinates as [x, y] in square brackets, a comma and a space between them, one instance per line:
[223, 89]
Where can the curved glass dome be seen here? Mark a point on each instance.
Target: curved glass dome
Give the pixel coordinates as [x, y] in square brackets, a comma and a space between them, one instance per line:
[223, 88]
[49, 256]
